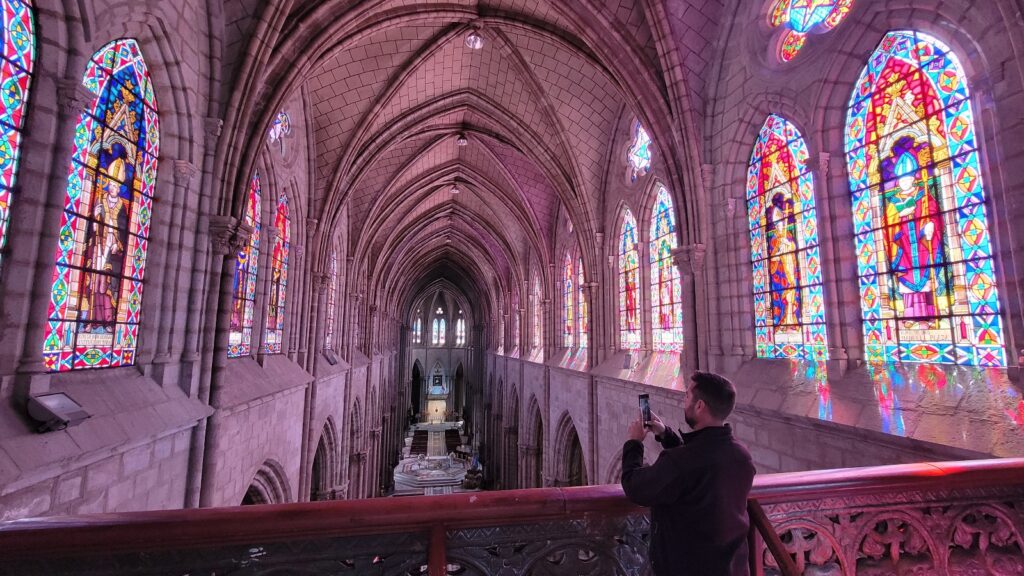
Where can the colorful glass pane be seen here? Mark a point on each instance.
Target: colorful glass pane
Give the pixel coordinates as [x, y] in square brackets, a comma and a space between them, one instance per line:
[927, 277]
[243, 286]
[666, 288]
[96, 296]
[280, 127]
[568, 308]
[332, 300]
[460, 332]
[639, 154]
[417, 331]
[18, 40]
[789, 303]
[584, 312]
[434, 331]
[274, 334]
[802, 17]
[629, 284]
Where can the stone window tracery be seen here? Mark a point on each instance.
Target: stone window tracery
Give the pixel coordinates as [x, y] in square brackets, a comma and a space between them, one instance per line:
[629, 285]
[584, 312]
[274, 335]
[924, 256]
[639, 154]
[568, 308]
[666, 288]
[96, 296]
[332, 300]
[19, 43]
[789, 303]
[244, 284]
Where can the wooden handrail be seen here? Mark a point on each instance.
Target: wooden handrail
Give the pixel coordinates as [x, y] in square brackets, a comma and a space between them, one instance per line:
[214, 527]
[759, 521]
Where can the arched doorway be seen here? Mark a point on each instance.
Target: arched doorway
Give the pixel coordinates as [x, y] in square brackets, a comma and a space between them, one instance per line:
[577, 471]
[538, 455]
[324, 475]
[269, 486]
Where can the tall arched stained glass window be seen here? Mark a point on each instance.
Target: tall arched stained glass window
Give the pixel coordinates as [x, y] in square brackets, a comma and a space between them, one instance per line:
[19, 43]
[789, 306]
[666, 289]
[629, 285]
[274, 334]
[417, 330]
[536, 335]
[568, 297]
[460, 332]
[639, 154]
[332, 300]
[244, 284]
[96, 299]
[802, 17]
[584, 311]
[927, 276]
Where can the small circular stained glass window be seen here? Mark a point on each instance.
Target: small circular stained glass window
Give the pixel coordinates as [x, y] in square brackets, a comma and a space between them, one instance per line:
[799, 18]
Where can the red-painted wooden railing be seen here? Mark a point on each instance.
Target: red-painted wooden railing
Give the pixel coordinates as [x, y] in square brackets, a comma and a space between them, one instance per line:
[214, 527]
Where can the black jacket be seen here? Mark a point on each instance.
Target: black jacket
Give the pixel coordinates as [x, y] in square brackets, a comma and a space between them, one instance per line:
[697, 491]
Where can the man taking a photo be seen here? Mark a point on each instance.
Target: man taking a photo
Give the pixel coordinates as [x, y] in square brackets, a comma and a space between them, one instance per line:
[697, 489]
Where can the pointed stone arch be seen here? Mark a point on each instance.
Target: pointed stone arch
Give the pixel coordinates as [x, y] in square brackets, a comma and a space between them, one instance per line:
[569, 460]
[269, 486]
[531, 447]
[326, 471]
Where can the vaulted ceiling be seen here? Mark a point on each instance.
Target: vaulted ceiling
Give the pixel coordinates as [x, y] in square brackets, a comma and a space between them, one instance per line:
[391, 86]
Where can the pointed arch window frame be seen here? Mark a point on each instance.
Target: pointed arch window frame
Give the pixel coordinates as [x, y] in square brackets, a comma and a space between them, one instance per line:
[568, 300]
[666, 293]
[104, 230]
[952, 178]
[16, 76]
[789, 300]
[273, 334]
[583, 307]
[628, 274]
[332, 300]
[246, 274]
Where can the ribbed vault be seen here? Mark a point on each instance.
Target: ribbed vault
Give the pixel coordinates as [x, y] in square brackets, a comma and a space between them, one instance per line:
[392, 85]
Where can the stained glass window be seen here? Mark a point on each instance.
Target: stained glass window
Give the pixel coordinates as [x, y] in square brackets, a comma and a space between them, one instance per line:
[666, 289]
[927, 275]
[332, 300]
[789, 305]
[629, 276]
[568, 308]
[438, 333]
[802, 17]
[584, 312]
[639, 154]
[274, 335]
[244, 284]
[279, 128]
[417, 330]
[535, 333]
[96, 298]
[460, 332]
[18, 40]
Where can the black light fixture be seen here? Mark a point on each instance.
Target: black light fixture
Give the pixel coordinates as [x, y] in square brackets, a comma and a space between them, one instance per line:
[55, 411]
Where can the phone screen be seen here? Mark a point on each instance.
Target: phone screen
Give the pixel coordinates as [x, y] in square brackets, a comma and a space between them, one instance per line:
[645, 408]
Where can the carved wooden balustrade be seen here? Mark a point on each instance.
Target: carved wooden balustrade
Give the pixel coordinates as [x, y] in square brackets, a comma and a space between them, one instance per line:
[943, 518]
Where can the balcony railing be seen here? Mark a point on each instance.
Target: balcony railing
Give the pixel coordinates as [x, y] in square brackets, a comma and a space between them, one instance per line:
[942, 518]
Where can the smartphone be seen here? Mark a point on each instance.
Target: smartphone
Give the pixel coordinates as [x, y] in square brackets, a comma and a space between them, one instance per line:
[645, 408]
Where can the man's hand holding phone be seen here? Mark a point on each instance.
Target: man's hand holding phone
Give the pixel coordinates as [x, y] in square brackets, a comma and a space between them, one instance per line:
[655, 425]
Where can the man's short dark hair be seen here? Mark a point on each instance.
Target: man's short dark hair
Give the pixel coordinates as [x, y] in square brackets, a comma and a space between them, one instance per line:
[716, 391]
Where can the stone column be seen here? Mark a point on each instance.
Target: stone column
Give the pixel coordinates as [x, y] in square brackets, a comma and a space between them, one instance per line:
[838, 358]
[72, 98]
[174, 267]
[738, 296]
[690, 260]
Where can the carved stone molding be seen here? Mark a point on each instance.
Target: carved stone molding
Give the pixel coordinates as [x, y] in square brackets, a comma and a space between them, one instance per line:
[184, 172]
[73, 97]
[690, 258]
[824, 164]
[213, 128]
[227, 235]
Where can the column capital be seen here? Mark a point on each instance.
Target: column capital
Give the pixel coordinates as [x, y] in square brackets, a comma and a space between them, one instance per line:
[213, 127]
[228, 235]
[72, 96]
[323, 281]
[824, 164]
[184, 172]
[690, 258]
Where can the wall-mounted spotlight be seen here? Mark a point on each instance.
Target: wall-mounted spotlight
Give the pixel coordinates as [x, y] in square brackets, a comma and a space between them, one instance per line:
[461, 140]
[55, 411]
[474, 40]
[455, 188]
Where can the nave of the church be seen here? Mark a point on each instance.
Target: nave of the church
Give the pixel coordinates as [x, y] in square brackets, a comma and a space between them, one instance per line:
[281, 251]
